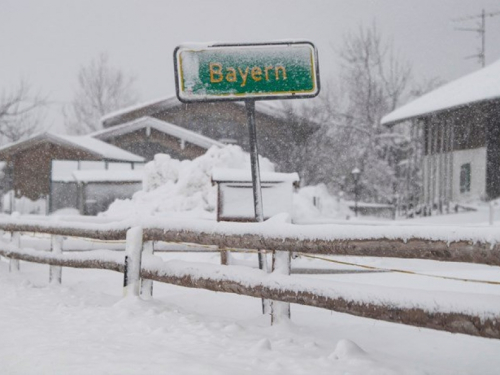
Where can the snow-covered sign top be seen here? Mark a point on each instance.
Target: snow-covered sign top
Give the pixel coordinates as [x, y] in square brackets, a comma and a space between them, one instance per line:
[222, 72]
[241, 175]
[475, 87]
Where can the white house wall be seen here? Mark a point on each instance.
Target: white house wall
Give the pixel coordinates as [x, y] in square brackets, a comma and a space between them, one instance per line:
[477, 159]
[434, 167]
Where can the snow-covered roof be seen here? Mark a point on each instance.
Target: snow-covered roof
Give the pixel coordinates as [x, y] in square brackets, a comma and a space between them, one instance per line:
[476, 87]
[108, 176]
[161, 126]
[88, 144]
[242, 175]
[148, 108]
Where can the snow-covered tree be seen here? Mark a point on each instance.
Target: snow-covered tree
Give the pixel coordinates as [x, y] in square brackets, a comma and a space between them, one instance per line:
[101, 89]
[373, 81]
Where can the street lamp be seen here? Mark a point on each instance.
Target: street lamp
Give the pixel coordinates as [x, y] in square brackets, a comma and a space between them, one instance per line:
[355, 175]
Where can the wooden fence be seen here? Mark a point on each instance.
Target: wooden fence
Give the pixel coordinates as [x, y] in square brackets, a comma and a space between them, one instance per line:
[139, 263]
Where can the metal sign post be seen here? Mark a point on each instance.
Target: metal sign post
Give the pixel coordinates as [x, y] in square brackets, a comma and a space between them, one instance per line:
[257, 190]
[254, 160]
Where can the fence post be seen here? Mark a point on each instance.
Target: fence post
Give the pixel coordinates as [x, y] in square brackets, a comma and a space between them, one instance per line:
[147, 285]
[280, 311]
[2, 233]
[15, 239]
[225, 257]
[132, 273]
[55, 272]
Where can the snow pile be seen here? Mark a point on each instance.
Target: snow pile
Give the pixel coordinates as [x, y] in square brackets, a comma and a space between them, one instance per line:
[171, 185]
[23, 205]
[312, 203]
[185, 188]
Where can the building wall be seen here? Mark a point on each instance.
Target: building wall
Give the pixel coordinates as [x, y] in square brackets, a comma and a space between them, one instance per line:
[225, 120]
[435, 170]
[472, 134]
[31, 168]
[493, 153]
[477, 159]
[468, 127]
[148, 144]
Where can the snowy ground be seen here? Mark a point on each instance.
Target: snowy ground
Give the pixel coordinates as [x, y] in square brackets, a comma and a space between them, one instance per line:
[86, 327]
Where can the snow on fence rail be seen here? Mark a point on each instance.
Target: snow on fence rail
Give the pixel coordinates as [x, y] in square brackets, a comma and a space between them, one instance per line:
[461, 314]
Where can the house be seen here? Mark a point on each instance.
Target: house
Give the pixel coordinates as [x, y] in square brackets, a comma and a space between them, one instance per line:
[458, 126]
[31, 162]
[225, 122]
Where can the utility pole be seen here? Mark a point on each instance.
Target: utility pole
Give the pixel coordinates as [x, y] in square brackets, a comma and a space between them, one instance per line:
[480, 29]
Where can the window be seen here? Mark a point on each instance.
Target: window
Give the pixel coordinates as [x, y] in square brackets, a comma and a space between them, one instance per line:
[465, 178]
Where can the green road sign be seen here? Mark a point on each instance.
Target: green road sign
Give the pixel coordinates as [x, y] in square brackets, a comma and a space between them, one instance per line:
[246, 71]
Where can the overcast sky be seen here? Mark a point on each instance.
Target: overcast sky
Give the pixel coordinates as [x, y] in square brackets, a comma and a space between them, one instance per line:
[45, 42]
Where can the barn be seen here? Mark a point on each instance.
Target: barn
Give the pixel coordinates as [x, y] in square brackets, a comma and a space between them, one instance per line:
[458, 130]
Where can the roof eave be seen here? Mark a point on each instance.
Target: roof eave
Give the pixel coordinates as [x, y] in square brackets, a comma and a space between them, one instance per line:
[40, 138]
[435, 113]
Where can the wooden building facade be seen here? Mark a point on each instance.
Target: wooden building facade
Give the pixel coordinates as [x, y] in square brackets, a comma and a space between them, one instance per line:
[226, 122]
[457, 128]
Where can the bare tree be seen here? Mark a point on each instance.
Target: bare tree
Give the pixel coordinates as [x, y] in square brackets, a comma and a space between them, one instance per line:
[20, 113]
[102, 89]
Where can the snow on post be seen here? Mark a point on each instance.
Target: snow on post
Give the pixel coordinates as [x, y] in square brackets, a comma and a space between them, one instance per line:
[2, 233]
[15, 239]
[16, 242]
[147, 285]
[133, 250]
[280, 311]
[225, 257]
[55, 272]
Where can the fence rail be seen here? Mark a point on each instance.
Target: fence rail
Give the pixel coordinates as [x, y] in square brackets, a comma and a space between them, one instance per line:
[462, 247]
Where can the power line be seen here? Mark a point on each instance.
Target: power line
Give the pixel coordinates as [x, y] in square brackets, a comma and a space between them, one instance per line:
[480, 29]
